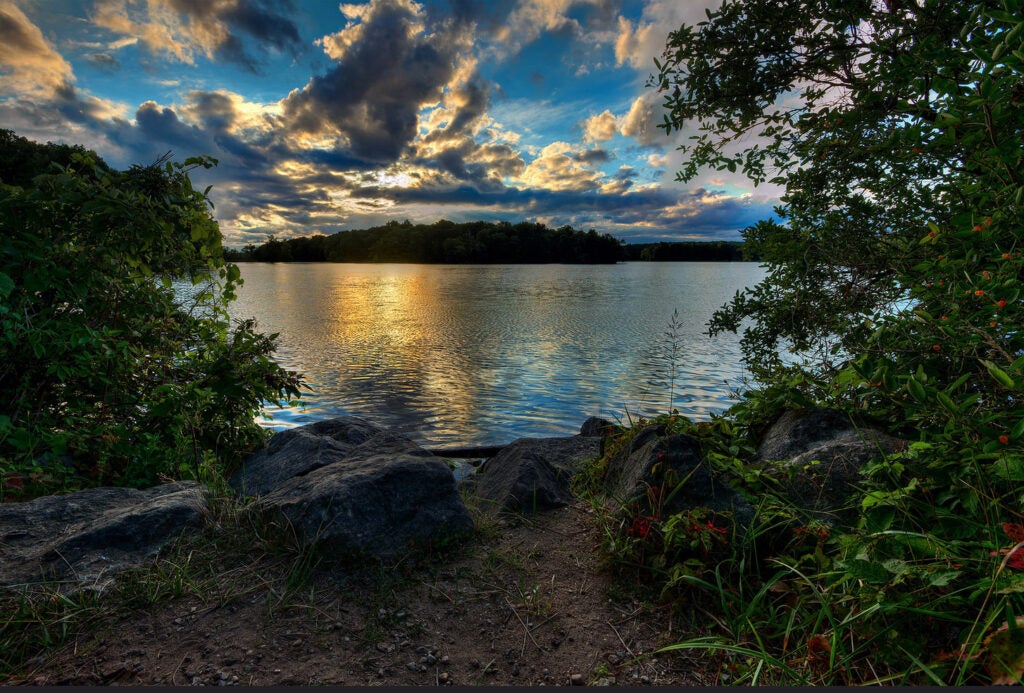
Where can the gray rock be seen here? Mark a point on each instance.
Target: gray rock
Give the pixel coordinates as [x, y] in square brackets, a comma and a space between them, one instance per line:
[655, 460]
[824, 479]
[378, 498]
[87, 536]
[533, 474]
[596, 426]
[800, 430]
[299, 451]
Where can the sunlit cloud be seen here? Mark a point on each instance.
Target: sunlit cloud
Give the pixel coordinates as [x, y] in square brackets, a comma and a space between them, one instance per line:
[377, 110]
[29, 65]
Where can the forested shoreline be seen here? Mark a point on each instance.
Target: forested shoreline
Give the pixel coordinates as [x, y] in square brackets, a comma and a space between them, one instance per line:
[477, 242]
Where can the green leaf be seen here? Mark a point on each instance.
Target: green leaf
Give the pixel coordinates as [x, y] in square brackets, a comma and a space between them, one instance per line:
[879, 518]
[941, 578]
[868, 571]
[916, 389]
[998, 374]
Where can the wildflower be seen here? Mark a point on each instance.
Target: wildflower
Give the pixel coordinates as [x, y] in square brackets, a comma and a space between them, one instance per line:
[979, 292]
[931, 234]
[1014, 531]
[1004, 439]
[1006, 256]
[711, 526]
[992, 324]
[943, 318]
[1001, 304]
[977, 228]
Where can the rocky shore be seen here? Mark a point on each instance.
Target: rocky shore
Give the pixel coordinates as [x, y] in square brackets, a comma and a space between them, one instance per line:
[373, 501]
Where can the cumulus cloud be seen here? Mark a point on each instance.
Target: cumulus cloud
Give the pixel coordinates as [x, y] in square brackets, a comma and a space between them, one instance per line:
[387, 68]
[632, 43]
[183, 28]
[29, 65]
[641, 121]
[560, 166]
[600, 127]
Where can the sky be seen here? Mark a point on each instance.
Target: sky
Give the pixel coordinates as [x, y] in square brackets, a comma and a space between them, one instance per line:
[328, 117]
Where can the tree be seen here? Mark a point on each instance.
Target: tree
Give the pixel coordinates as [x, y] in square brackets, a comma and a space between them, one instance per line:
[896, 129]
[107, 373]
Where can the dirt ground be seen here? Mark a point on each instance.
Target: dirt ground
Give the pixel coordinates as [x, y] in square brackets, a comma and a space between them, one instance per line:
[529, 605]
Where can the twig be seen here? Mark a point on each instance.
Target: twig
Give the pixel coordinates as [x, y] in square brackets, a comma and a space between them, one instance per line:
[617, 635]
[523, 624]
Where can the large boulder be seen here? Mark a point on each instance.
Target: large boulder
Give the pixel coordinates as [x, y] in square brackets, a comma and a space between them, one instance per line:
[367, 492]
[87, 536]
[533, 474]
[798, 430]
[654, 462]
[298, 451]
[816, 457]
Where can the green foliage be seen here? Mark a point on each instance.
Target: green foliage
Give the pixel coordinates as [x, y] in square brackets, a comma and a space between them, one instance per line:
[108, 374]
[893, 290]
[444, 242]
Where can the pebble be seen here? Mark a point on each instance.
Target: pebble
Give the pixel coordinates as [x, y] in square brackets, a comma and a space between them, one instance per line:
[444, 659]
[576, 680]
[442, 677]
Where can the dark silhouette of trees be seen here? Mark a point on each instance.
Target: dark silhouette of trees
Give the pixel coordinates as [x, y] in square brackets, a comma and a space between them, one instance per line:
[443, 242]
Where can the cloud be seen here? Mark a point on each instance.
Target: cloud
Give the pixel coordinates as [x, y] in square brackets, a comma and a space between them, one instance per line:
[387, 68]
[631, 45]
[641, 121]
[29, 66]
[562, 167]
[600, 127]
[182, 28]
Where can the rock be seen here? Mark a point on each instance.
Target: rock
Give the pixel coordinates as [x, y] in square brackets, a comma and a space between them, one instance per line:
[298, 451]
[90, 535]
[799, 430]
[652, 460]
[822, 480]
[595, 426]
[533, 474]
[816, 455]
[367, 492]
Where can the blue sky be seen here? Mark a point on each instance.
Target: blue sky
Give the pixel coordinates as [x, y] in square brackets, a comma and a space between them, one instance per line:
[326, 117]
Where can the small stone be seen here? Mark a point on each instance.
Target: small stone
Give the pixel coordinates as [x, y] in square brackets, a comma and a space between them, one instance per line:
[444, 659]
[442, 677]
[576, 680]
[380, 673]
[645, 679]
[421, 650]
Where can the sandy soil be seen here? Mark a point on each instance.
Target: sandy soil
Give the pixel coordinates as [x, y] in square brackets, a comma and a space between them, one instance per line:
[530, 605]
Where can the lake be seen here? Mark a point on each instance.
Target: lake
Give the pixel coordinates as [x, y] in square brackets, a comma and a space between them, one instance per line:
[467, 355]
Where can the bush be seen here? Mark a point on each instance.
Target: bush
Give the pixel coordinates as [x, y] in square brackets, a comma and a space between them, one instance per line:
[107, 375]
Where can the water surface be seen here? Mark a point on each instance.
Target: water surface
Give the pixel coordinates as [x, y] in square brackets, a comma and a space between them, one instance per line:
[460, 355]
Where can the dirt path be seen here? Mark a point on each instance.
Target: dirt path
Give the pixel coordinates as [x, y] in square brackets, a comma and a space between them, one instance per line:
[530, 605]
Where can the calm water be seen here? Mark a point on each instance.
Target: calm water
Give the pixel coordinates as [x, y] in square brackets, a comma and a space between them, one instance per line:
[459, 355]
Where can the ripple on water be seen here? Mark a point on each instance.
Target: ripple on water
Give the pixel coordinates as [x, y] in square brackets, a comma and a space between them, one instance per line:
[481, 355]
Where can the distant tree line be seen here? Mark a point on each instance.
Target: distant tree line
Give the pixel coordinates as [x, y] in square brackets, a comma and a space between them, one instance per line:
[443, 242]
[689, 251]
[477, 242]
